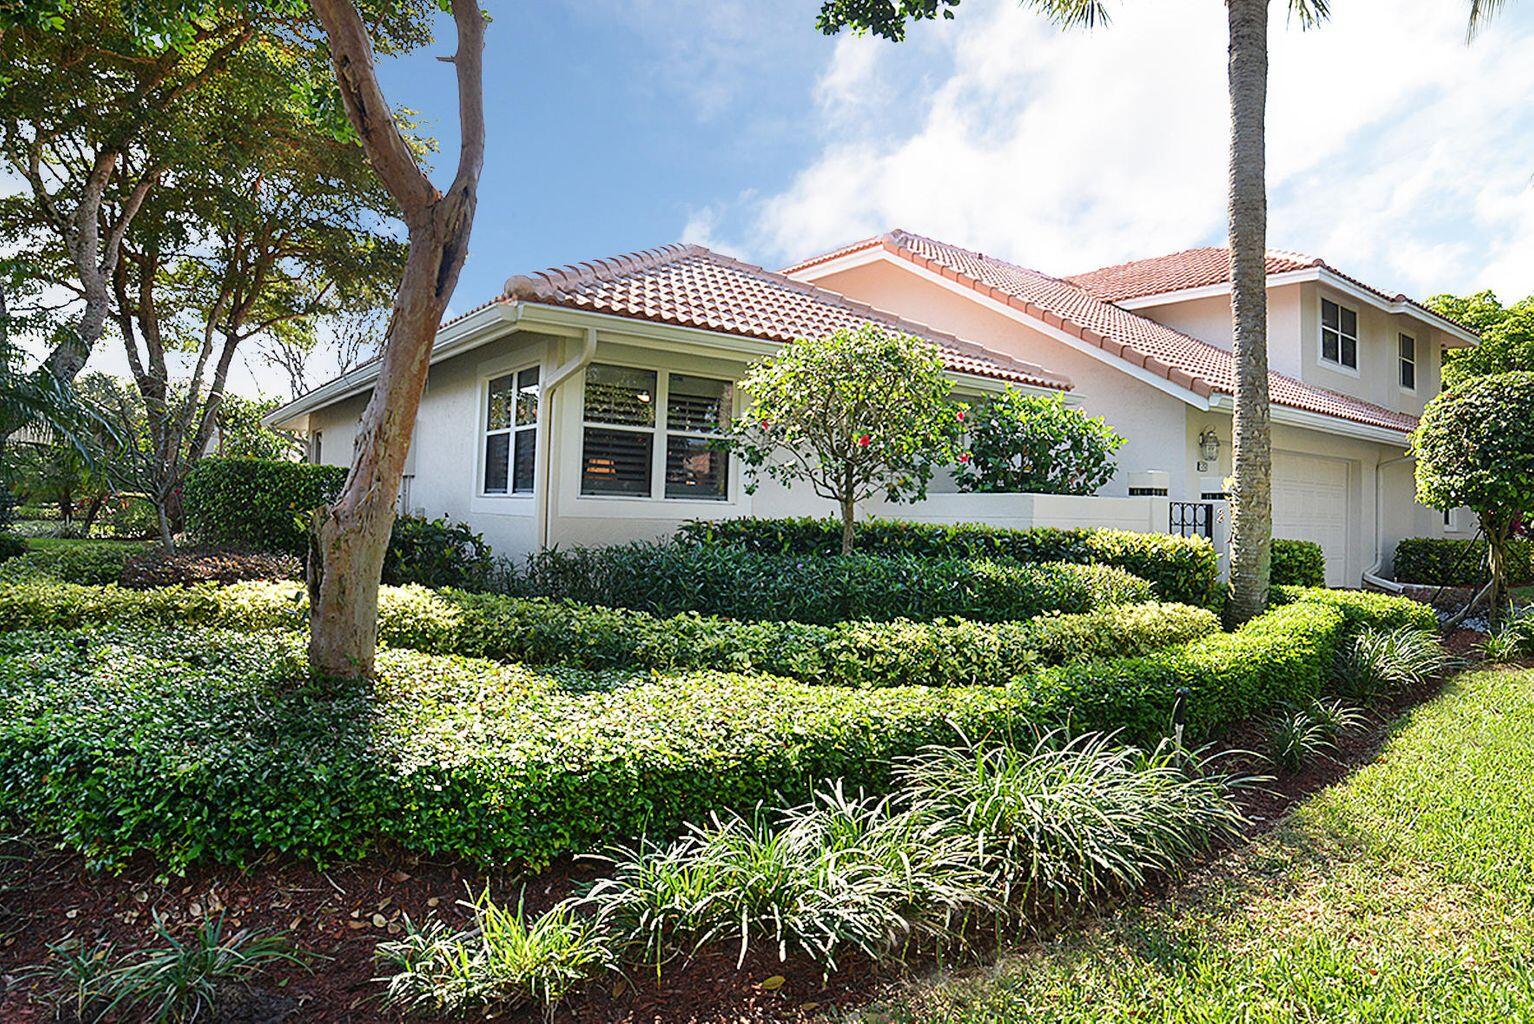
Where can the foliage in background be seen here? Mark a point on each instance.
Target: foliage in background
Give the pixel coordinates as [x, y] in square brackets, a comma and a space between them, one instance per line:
[1299, 563]
[257, 504]
[241, 434]
[676, 577]
[1507, 335]
[1034, 444]
[1182, 569]
[437, 553]
[854, 414]
[87, 563]
[1474, 449]
[1459, 562]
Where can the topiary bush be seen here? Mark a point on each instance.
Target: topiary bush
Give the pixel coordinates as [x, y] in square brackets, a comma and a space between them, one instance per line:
[257, 504]
[1299, 563]
[436, 553]
[950, 652]
[667, 579]
[1451, 562]
[11, 546]
[195, 744]
[1182, 569]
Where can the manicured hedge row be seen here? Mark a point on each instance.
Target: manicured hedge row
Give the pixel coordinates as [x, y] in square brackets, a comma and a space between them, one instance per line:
[257, 504]
[1299, 563]
[668, 579]
[87, 562]
[1361, 608]
[1183, 569]
[541, 632]
[198, 743]
[1447, 562]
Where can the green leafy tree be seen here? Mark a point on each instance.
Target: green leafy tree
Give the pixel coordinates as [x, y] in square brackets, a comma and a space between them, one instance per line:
[854, 414]
[242, 435]
[1507, 335]
[1251, 533]
[1036, 444]
[1475, 449]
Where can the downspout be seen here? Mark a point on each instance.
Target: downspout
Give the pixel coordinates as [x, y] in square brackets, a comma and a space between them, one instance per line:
[564, 372]
[1371, 577]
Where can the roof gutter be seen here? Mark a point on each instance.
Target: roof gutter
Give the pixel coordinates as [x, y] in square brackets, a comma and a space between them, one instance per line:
[1370, 574]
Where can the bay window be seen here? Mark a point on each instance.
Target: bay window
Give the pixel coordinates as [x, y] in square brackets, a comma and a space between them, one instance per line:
[511, 432]
[644, 424]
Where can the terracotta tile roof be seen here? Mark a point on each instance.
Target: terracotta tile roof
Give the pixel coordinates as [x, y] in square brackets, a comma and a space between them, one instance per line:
[1192, 268]
[691, 286]
[1196, 365]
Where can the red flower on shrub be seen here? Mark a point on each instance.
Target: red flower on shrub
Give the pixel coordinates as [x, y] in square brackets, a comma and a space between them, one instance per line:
[864, 441]
[964, 457]
[960, 415]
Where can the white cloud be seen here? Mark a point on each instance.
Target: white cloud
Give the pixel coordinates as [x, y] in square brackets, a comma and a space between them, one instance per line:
[1395, 150]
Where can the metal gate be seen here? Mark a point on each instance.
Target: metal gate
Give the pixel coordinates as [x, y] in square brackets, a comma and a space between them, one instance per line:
[1191, 519]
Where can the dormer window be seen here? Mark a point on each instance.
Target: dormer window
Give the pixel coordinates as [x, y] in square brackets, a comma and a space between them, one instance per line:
[1339, 335]
[1408, 346]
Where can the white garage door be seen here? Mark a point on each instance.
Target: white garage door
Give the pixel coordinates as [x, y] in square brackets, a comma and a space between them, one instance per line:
[1310, 502]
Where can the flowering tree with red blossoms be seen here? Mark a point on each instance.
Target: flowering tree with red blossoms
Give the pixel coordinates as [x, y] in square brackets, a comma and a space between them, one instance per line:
[855, 414]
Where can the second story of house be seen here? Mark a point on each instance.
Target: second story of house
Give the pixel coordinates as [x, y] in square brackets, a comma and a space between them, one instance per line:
[1325, 328]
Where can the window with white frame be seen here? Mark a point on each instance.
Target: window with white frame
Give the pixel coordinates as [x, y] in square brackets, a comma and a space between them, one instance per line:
[1339, 335]
[641, 425]
[1408, 346]
[511, 432]
[316, 447]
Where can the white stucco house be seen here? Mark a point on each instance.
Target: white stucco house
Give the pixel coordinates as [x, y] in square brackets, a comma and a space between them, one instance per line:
[575, 408]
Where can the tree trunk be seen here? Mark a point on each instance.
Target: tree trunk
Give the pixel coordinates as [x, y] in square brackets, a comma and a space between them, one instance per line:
[167, 534]
[849, 512]
[1251, 530]
[1497, 535]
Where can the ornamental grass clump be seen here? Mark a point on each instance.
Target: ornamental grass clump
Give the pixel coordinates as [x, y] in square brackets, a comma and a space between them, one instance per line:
[506, 958]
[840, 873]
[1062, 821]
[1376, 664]
[1297, 736]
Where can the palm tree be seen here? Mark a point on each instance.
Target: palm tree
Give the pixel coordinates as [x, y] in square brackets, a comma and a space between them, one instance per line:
[1482, 11]
[1251, 534]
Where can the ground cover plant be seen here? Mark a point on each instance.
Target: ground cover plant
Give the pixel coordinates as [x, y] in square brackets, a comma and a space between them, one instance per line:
[535, 631]
[1182, 569]
[203, 743]
[670, 578]
[1390, 897]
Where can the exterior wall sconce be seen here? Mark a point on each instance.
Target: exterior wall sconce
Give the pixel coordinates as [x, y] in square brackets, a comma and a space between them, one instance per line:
[1208, 450]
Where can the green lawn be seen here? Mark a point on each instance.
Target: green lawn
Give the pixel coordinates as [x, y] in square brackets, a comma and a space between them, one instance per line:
[1404, 895]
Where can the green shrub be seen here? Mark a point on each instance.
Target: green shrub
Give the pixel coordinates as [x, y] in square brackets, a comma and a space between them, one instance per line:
[541, 632]
[11, 546]
[1182, 569]
[670, 578]
[1362, 608]
[1449, 562]
[197, 743]
[1299, 563]
[82, 562]
[436, 553]
[257, 504]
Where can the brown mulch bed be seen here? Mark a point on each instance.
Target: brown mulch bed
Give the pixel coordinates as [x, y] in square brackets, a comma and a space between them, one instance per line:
[338, 916]
[158, 569]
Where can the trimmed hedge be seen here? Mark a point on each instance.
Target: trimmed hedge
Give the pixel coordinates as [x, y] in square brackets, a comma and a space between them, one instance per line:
[540, 632]
[667, 579]
[1182, 569]
[257, 504]
[1361, 608]
[85, 562]
[198, 744]
[1450, 562]
[436, 553]
[1299, 563]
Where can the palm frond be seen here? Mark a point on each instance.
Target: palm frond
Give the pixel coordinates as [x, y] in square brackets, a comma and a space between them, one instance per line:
[1310, 13]
[1072, 13]
[1481, 11]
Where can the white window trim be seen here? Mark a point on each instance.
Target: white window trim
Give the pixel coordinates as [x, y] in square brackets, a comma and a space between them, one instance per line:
[1416, 362]
[659, 431]
[486, 375]
[1337, 365]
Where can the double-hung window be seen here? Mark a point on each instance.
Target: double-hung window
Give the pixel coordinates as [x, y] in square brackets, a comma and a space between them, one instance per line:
[644, 424]
[1339, 335]
[1408, 346]
[511, 432]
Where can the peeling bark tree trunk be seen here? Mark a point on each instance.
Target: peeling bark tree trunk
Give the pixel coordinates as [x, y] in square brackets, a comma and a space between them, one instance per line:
[1251, 530]
[348, 538]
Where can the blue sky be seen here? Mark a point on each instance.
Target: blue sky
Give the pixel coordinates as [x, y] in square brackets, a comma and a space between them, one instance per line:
[1396, 150]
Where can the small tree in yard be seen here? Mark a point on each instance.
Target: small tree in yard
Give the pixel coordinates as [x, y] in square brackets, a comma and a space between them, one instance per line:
[1475, 449]
[1034, 444]
[855, 414]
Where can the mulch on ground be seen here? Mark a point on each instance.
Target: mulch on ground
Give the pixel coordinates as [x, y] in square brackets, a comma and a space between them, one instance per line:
[338, 916]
